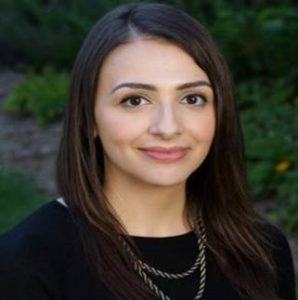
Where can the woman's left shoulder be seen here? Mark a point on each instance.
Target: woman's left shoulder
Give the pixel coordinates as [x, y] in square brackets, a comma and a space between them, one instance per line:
[276, 238]
[282, 260]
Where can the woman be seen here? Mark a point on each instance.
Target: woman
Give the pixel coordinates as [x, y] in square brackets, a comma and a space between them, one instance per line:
[151, 172]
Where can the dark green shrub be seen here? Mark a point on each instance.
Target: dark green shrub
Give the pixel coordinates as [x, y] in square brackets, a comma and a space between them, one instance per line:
[40, 95]
[259, 43]
[270, 124]
[47, 32]
[18, 197]
[257, 38]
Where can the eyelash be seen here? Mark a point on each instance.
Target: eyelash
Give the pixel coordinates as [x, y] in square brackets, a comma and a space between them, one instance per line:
[133, 97]
[203, 98]
[127, 99]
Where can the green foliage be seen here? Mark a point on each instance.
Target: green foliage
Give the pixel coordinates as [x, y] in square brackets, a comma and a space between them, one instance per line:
[42, 96]
[269, 118]
[257, 38]
[47, 32]
[18, 197]
[259, 42]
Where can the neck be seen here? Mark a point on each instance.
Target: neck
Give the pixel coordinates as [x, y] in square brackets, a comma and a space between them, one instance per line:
[145, 210]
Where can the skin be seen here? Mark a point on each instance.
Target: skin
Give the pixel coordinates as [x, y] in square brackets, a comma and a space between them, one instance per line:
[149, 195]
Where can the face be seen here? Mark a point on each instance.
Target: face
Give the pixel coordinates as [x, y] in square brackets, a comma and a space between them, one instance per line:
[154, 113]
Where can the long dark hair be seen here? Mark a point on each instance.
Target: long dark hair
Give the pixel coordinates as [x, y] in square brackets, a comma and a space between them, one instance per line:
[217, 189]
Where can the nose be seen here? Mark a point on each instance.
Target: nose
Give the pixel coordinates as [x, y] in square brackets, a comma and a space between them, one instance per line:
[166, 122]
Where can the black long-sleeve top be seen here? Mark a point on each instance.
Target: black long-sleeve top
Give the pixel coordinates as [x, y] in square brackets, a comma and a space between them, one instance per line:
[41, 259]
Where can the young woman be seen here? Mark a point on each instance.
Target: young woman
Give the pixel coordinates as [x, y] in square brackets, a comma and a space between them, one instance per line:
[154, 202]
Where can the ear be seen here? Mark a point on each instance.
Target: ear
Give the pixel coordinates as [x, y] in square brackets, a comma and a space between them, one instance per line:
[95, 133]
[95, 128]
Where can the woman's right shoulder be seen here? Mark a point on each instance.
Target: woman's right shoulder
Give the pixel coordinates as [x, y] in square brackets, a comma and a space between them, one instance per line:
[44, 236]
[34, 253]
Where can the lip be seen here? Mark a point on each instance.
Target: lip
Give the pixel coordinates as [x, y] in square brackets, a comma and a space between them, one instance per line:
[165, 154]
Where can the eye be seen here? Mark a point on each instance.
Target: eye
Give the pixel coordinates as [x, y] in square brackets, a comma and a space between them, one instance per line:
[133, 101]
[194, 99]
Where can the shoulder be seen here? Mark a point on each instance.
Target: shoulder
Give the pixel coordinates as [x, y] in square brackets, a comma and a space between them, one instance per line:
[276, 239]
[44, 236]
[34, 252]
[282, 260]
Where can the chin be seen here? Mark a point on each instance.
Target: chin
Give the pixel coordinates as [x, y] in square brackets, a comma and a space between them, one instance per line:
[163, 180]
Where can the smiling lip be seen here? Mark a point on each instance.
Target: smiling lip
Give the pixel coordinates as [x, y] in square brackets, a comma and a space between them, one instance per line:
[165, 154]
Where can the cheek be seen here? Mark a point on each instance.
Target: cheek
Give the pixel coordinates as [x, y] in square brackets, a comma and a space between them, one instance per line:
[117, 128]
[203, 127]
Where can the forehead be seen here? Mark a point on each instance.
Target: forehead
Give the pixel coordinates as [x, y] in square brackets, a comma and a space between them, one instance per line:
[149, 60]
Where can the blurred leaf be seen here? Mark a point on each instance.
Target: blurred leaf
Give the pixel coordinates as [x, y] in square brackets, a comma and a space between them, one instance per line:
[40, 95]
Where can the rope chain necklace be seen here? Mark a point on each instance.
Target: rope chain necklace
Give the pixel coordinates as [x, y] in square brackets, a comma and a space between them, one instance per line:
[141, 267]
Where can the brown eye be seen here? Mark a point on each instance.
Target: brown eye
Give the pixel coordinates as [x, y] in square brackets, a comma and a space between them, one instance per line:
[133, 101]
[195, 100]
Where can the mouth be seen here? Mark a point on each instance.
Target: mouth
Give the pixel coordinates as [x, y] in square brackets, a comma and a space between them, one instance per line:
[165, 154]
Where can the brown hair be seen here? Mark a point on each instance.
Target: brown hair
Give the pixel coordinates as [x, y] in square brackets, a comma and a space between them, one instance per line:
[217, 189]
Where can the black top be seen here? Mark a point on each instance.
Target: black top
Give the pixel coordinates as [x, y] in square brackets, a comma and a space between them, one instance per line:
[41, 259]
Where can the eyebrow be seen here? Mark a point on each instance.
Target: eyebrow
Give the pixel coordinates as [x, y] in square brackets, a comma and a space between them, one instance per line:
[144, 86]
